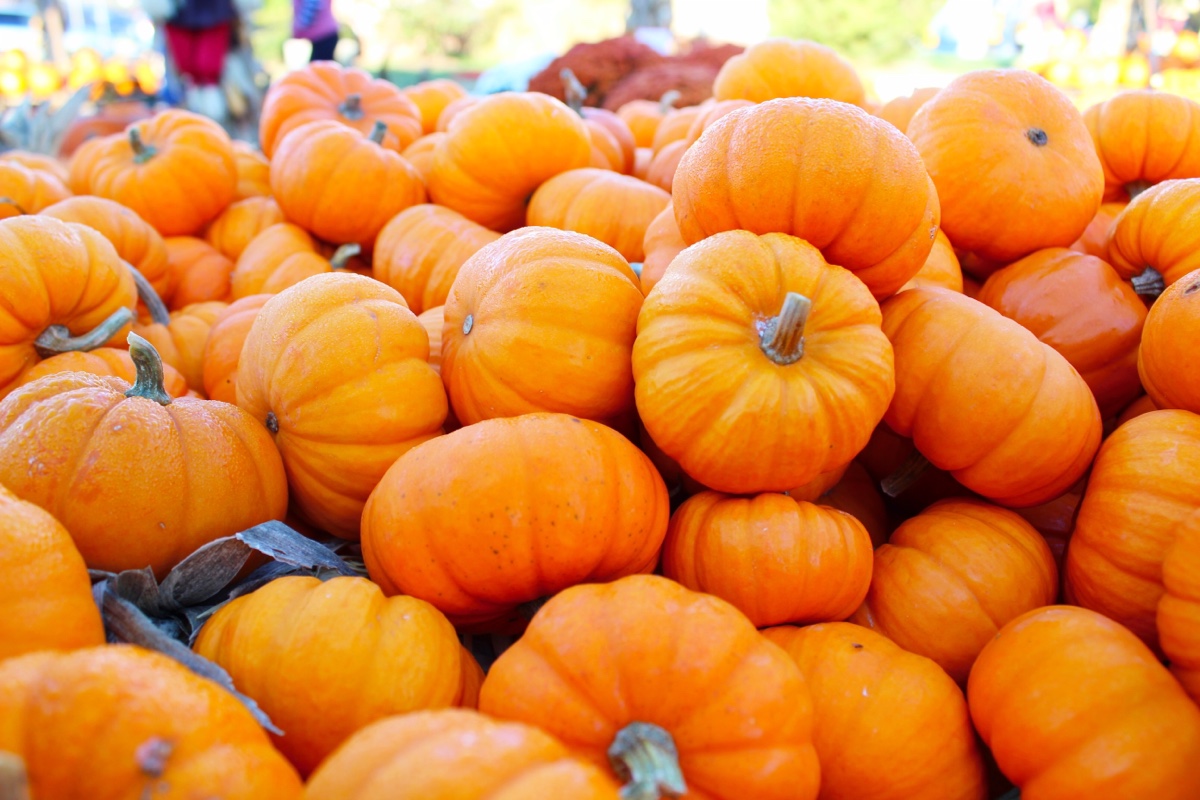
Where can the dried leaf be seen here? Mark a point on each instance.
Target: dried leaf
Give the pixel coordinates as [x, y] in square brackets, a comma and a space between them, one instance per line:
[283, 544]
[204, 573]
[140, 587]
[14, 783]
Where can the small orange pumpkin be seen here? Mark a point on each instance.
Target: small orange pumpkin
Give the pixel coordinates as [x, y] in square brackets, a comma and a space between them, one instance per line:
[105, 362]
[453, 109]
[28, 191]
[432, 97]
[433, 319]
[223, 348]
[941, 269]
[660, 245]
[643, 117]
[199, 272]
[788, 68]
[1154, 241]
[179, 338]
[857, 493]
[674, 126]
[280, 256]
[253, 171]
[421, 154]
[1167, 354]
[38, 161]
[1094, 239]
[1179, 607]
[1144, 137]
[240, 223]
[665, 164]
[900, 110]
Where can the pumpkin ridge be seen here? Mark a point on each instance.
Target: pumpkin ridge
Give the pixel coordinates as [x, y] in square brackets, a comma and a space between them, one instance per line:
[58, 512]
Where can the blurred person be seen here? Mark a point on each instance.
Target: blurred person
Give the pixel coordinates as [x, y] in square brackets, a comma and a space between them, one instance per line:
[198, 36]
[313, 20]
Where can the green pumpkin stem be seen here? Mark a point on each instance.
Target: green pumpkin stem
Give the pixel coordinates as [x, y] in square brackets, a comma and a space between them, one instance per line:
[905, 475]
[645, 758]
[341, 256]
[1150, 283]
[8, 201]
[378, 132]
[351, 108]
[142, 152]
[668, 100]
[149, 297]
[573, 90]
[14, 781]
[58, 339]
[149, 381]
[1134, 188]
[782, 337]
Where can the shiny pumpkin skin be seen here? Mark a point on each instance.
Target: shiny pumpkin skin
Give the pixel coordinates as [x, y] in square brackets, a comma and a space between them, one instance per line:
[674, 127]
[577, 504]
[181, 342]
[617, 133]
[432, 320]
[1094, 239]
[277, 641]
[1144, 137]
[1144, 485]
[280, 256]
[711, 397]
[1169, 344]
[137, 723]
[28, 191]
[431, 98]
[240, 223]
[452, 110]
[499, 150]
[941, 268]
[664, 165]
[613, 208]
[500, 354]
[765, 169]
[983, 399]
[53, 273]
[1078, 305]
[1072, 704]
[1143, 405]
[137, 483]
[319, 92]
[1179, 607]
[105, 362]
[223, 347]
[900, 110]
[1158, 229]
[46, 596]
[736, 705]
[253, 172]
[809, 563]
[1042, 182]
[420, 250]
[660, 245]
[421, 153]
[868, 694]
[199, 272]
[788, 68]
[339, 365]
[184, 181]
[455, 753]
[951, 576]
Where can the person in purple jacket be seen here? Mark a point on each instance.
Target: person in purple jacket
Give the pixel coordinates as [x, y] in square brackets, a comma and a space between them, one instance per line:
[313, 20]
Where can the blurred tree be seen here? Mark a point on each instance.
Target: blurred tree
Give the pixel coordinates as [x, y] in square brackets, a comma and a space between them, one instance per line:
[648, 14]
[451, 28]
[870, 30]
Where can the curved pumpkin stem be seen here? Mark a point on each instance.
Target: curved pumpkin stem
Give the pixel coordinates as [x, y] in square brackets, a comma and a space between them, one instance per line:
[644, 756]
[58, 339]
[1150, 283]
[150, 299]
[351, 108]
[905, 475]
[343, 254]
[668, 101]
[142, 152]
[8, 201]
[14, 781]
[1135, 188]
[149, 381]
[378, 132]
[782, 337]
[573, 90]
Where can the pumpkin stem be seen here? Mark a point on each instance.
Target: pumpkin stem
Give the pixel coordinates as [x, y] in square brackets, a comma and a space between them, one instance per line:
[8, 201]
[644, 756]
[152, 755]
[1137, 187]
[905, 475]
[530, 608]
[58, 339]
[573, 90]
[782, 337]
[150, 299]
[1037, 136]
[149, 380]
[378, 132]
[142, 152]
[1150, 283]
[668, 101]
[272, 422]
[351, 108]
[343, 254]
[14, 782]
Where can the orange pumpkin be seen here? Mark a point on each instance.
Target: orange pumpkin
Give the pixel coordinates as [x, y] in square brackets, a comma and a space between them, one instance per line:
[432, 97]
[46, 595]
[900, 110]
[453, 753]
[28, 191]
[788, 68]
[642, 158]
[420, 154]
[941, 268]
[1055, 520]
[665, 164]
[39, 162]
[675, 689]
[499, 150]
[176, 171]
[327, 91]
[253, 171]
[1094, 239]
[135, 722]
[674, 126]
[759, 366]
[275, 640]
[613, 208]
[1143, 405]
[951, 576]
[500, 353]
[660, 245]
[1153, 243]
[1078, 305]
[223, 348]
[1041, 183]
[809, 563]
[453, 109]
[1168, 347]
[982, 398]
[432, 320]
[643, 118]
[1073, 705]
[240, 223]
[710, 114]
[420, 250]
[574, 490]
[199, 272]
[1179, 607]
[766, 169]
[180, 338]
[280, 256]
[857, 493]
[612, 141]
[138, 478]
[336, 368]
[1144, 137]
[107, 362]
[1144, 485]
[870, 695]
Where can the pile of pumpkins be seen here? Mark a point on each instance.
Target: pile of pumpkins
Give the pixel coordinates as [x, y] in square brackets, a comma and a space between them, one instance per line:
[794, 447]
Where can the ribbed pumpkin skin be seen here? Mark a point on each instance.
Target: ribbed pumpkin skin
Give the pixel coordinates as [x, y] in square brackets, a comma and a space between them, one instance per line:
[765, 169]
[137, 724]
[421, 153]
[951, 576]
[105, 362]
[181, 342]
[576, 503]
[420, 250]
[432, 320]
[982, 398]
[40, 162]
[900, 110]
[652, 651]
[199, 272]
[660, 245]
[452, 754]
[240, 223]
[1158, 229]
[1094, 239]
[1144, 485]
[643, 118]
[541, 320]
[664, 164]
[27, 191]
[774, 558]
[1145, 137]
[340, 366]
[280, 256]
[712, 399]
[253, 171]
[1168, 348]
[1073, 705]
[857, 493]
[941, 269]
[46, 596]
[432, 97]
[1178, 618]
[868, 696]
[788, 68]
[223, 349]
[276, 641]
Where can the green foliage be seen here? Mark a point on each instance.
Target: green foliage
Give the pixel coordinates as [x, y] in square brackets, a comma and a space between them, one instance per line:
[867, 30]
[456, 29]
